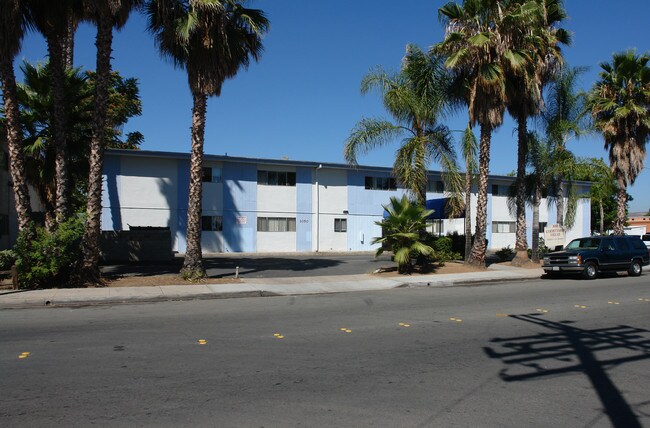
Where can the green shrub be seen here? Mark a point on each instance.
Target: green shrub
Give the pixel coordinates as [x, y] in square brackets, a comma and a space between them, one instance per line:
[49, 259]
[543, 249]
[505, 254]
[7, 259]
[443, 248]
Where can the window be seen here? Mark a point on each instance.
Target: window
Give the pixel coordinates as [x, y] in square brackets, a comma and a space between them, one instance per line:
[500, 190]
[340, 225]
[542, 226]
[276, 178]
[212, 223]
[211, 175]
[435, 186]
[503, 227]
[436, 227]
[380, 183]
[276, 224]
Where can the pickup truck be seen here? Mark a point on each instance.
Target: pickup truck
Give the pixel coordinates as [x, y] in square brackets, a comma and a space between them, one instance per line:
[589, 256]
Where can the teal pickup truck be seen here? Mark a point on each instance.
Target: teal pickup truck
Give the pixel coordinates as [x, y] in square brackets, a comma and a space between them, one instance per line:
[589, 256]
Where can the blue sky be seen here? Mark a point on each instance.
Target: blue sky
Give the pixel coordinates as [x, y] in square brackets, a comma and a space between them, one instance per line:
[302, 99]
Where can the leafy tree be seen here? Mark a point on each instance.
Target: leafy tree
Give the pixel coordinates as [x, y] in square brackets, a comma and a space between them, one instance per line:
[479, 51]
[35, 101]
[106, 15]
[13, 22]
[415, 98]
[211, 40]
[402, 232]
[620, 106]
[602, 193]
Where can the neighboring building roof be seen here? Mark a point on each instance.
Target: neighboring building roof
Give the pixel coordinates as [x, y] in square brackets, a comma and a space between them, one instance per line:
[295, 163]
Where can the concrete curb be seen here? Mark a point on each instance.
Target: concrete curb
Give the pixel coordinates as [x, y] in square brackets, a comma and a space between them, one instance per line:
[62, 298]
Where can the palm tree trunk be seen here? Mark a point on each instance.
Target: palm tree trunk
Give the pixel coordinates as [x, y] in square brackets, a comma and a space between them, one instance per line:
[57, 67]
[535, 244]
[602, 217]
[92, 231]
[193, 263]
[68, 47]
[477, 255]
[559, 198]
[619, 224]
[14, 142]
[468, 213]
[521, 246]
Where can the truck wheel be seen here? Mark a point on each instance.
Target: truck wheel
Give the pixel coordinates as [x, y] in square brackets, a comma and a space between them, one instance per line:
[591, 270]
[635, 268]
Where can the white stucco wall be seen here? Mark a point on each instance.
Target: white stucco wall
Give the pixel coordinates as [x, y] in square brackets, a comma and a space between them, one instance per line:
[333, 201]
[148, 191]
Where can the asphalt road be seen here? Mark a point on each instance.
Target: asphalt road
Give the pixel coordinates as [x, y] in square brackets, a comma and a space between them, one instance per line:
[263, 265]
[563, 353]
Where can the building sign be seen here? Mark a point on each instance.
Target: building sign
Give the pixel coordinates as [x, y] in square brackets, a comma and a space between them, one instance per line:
[241, 219]
[554, 236]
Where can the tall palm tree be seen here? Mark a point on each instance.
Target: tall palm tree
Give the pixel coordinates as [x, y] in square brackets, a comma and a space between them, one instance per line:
[211, 40]
[52, 19]
[106, 15]
[13, 22]
[469, 148]
[563, 120]
[536, 35]
[620, 106]
[478, 54]
[415, 98]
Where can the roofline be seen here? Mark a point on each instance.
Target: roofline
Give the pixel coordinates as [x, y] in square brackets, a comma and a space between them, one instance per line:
[287, 162]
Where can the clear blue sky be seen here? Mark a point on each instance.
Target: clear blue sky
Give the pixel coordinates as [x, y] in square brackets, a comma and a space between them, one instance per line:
[302, 99]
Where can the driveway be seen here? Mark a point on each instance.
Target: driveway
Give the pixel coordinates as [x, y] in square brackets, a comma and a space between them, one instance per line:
[262, 265]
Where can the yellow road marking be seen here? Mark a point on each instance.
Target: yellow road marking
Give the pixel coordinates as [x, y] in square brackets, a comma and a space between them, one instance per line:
[202, 341]
[580, 306]
[614, 303]
[502, 315]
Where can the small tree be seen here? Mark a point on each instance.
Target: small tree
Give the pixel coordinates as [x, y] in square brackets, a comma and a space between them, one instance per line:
[403, 232]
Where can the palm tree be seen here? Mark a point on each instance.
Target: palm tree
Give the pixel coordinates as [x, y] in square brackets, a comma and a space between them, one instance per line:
[469, 148]
[105, 15]
[13, 21]
[415, 98]
[620, 106]
[402, 232]
[537, 38]
[563, 120]
[477, 55]
[52, 19]
[211, 40]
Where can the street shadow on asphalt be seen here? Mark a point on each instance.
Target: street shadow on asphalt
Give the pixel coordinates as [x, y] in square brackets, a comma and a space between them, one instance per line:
[567, 349]
[225, 267]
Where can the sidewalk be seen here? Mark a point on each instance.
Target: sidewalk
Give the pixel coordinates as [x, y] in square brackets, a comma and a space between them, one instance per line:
[254, 287]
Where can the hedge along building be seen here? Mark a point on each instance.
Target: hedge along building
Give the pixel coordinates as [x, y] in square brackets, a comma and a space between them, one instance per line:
[264, 205]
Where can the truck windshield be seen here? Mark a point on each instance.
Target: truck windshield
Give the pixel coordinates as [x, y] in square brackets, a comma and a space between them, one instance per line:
[584, 243]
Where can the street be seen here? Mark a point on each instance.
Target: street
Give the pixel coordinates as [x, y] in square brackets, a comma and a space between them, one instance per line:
[567, 352]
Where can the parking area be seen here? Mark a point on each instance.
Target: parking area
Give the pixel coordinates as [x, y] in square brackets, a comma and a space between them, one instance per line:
[262, 265]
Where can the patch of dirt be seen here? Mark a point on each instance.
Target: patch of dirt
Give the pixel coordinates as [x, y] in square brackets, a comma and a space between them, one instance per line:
[155, 280]
[528, 265]
[449, 267]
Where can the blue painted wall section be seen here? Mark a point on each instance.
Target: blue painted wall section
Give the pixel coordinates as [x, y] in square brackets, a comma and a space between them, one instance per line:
[365, 207]
[304, 214]
[239, 207]
[182, 189]
[111, 214]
